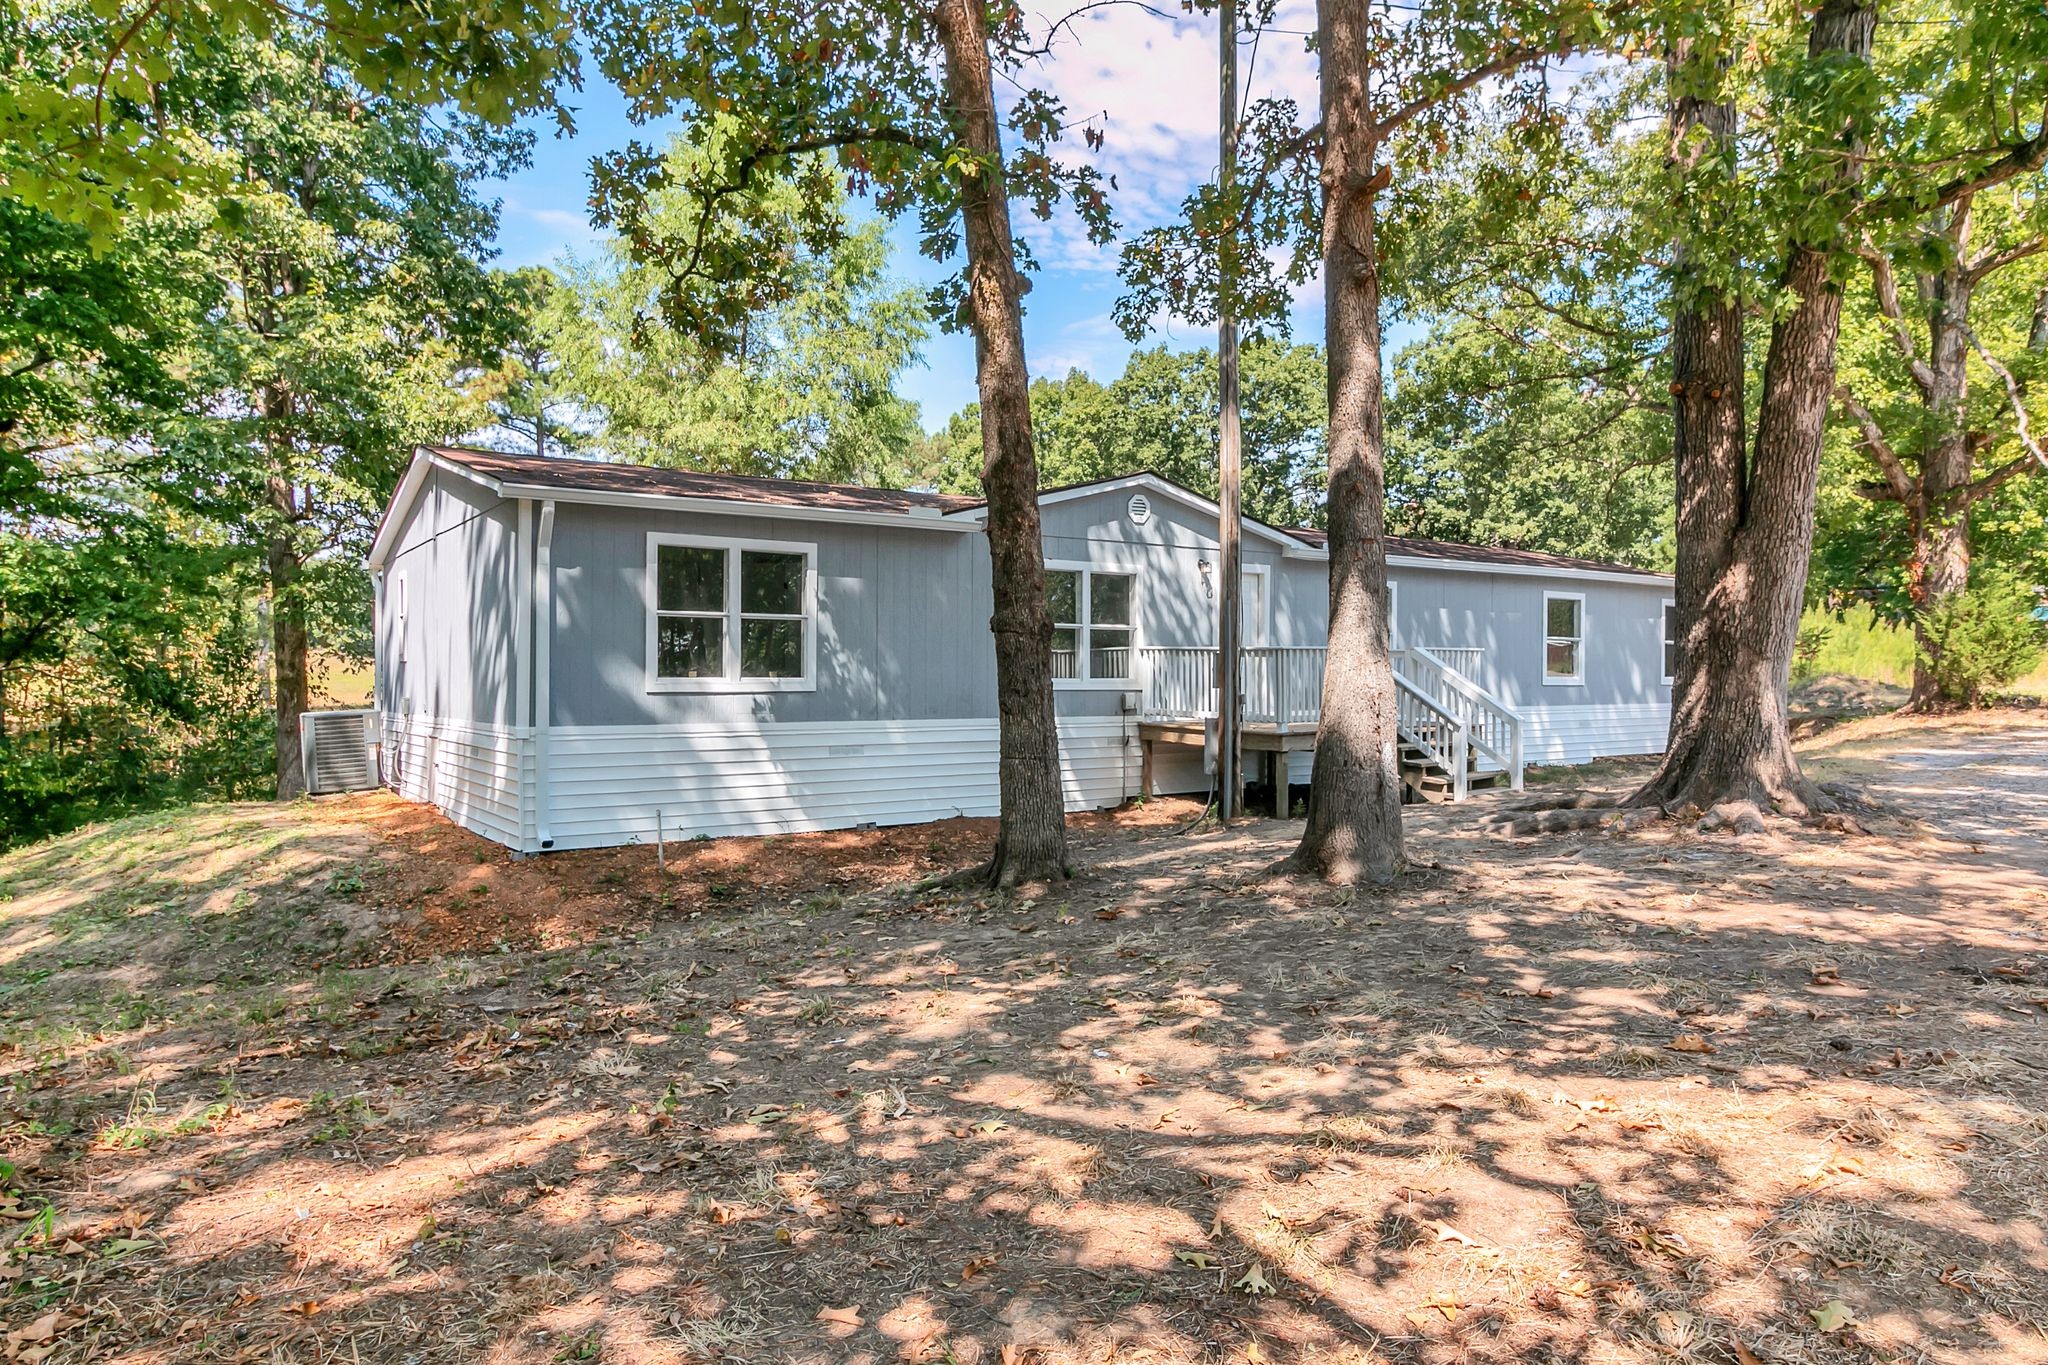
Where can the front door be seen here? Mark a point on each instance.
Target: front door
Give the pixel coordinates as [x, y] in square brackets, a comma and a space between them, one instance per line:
[1251, 610]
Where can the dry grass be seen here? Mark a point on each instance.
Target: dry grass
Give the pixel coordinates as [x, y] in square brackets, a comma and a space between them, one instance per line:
[271, 1098]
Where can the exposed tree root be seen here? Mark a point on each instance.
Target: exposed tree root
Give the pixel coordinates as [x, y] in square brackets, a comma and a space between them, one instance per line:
[1337, 870]
[1564, 819]
[1572, 800]
[999, 874]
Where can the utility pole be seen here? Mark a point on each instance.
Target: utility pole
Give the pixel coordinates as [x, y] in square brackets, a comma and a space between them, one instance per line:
[1229, 440]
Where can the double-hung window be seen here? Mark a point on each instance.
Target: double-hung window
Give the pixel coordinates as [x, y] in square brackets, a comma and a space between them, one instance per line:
[731, 615]
[1094, 616]
[1564, 637]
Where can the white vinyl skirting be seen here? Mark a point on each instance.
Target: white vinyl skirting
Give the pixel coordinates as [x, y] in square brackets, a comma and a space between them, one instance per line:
[610, 785]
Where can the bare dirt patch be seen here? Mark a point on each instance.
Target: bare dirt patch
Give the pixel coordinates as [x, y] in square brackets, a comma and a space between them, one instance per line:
[285, 1086]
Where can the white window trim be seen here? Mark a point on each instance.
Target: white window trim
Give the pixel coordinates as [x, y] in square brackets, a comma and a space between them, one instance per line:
[1393, 614]
[1084, 569]
[731, 681]
[1543, 655]
[1663, 615]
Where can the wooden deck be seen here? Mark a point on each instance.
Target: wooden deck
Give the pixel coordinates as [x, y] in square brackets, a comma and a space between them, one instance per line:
[1271, 743]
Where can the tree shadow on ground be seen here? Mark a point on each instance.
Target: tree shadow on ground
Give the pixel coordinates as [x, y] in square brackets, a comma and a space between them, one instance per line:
[1658, 1097]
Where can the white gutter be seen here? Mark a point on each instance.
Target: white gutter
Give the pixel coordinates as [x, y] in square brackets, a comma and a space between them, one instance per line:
[915, 518]
[1640, 580]
[543, 650]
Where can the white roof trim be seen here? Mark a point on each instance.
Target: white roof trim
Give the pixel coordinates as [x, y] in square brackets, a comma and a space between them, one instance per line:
[1640, 580]
[408, 490]
[917, 518]
[1289, 546]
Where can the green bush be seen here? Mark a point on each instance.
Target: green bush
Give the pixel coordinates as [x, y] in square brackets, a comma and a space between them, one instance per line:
[1982, 639]
[1853, 642]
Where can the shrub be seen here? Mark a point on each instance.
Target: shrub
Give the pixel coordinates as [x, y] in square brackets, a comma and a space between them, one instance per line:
[1983, 638]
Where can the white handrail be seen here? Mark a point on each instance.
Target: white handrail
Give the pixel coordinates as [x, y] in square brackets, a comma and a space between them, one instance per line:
[1439, 709]
[1431, 727]
[1494, 728]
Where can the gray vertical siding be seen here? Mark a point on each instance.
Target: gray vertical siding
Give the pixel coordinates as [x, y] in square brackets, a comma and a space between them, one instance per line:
[455, 551]
[1502, 613]
[903, 614]
[902, 622]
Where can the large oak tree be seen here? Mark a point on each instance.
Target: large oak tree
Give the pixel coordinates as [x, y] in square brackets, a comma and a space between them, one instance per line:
[1395, 89]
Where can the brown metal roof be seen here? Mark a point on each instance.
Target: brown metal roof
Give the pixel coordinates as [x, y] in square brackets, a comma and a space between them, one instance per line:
[1477, 554]
[603, 476]
[600, 476]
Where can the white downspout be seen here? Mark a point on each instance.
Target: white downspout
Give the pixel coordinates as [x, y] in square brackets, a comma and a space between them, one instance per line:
[543, 649]
[522, 653]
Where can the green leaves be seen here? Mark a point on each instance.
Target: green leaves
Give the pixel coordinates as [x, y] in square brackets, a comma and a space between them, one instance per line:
[780, 359]
[99, 117]
[1160, 414]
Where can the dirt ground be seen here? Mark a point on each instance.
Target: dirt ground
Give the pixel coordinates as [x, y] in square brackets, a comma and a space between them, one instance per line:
[337, 1082]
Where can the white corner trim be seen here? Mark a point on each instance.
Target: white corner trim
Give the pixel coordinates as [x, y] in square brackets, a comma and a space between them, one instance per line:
[1663, 616]
[543, 669]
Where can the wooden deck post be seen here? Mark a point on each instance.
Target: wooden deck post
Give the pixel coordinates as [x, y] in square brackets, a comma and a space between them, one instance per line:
[1145, 768]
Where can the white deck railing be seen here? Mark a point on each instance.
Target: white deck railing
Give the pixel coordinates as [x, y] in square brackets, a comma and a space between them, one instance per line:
[1439, 709]
[1470, 662]
[1282, 684]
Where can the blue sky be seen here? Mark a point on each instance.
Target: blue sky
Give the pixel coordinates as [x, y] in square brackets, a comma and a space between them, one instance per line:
[1150, 84]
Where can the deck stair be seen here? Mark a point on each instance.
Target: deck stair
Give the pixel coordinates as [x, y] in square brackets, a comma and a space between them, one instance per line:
[1424, 778]
[1456, 737]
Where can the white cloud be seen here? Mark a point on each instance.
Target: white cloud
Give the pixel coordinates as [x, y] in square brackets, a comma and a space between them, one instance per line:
[562, 220]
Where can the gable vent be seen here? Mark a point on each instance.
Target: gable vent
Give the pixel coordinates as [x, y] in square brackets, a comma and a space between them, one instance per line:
[339, 751]
[1141, 509]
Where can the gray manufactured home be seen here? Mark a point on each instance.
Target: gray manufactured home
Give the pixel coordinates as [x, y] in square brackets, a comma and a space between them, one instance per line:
[573, 654]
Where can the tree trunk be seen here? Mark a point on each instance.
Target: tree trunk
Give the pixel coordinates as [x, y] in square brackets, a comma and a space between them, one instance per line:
[1745, 531]
[1354, 803]
[291, 696]
[1941, 540]
[1031, 839]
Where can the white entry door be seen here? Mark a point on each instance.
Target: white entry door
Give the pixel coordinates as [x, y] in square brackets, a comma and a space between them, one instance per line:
[1251, 609]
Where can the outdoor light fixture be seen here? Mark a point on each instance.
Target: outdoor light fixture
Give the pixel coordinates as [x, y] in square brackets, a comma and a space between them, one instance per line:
[1208, 583]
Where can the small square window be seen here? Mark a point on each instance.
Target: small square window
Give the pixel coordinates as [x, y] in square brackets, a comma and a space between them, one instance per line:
[1109, 599]
[1562, 616]
[771, 649]
[1066, 652]
[1062, 596]
[771, 584]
